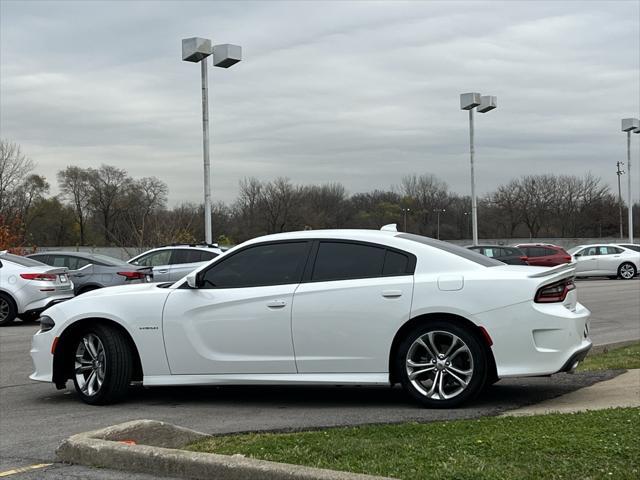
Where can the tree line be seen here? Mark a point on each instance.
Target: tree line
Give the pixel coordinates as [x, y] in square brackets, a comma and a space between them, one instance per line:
[105, 206]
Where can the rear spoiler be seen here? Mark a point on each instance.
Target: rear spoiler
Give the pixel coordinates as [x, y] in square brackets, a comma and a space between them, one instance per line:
[562, 268]
[58, 271]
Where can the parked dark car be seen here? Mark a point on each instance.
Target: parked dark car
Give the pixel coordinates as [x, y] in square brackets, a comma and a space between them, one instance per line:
[544, 254]
[89, 271]
[510, 255]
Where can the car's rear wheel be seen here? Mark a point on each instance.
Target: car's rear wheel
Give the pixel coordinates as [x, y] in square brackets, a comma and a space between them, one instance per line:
[627, 271]
[8, 311]
[103, 365]
[441, 365]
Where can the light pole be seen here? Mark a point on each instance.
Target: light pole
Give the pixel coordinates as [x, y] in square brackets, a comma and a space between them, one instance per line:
[468, 216]
[619, 173]
[197, 50]
[439, 211]
[485, 103]
[405, 211]
[630, 125]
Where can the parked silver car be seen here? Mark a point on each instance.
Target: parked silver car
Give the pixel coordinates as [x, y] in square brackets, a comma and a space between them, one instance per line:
[90, 271]
[605, 260]
[173, 262]
[27, 287]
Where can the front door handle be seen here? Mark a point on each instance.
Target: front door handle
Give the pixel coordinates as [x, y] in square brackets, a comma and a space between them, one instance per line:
[276, 304]
[163, 271]
[391, 293]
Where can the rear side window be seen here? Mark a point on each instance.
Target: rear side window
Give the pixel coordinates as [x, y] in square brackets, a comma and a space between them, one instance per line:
[185, 255]
[270, 264]
[395, 263]
[340, 261]
[206, 256]
[154, 259]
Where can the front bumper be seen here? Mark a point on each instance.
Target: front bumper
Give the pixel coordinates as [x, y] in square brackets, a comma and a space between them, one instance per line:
[42, 357]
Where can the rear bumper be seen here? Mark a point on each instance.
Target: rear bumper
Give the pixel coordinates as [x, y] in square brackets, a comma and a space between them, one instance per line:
[37, 308]
[575, 359]
[532, 339]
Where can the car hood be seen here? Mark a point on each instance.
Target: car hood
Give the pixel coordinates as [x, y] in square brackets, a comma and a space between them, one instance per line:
[120, 290]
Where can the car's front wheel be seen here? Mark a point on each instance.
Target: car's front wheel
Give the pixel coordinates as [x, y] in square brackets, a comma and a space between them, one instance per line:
[102, 365]
[627, 271]
[441, 364]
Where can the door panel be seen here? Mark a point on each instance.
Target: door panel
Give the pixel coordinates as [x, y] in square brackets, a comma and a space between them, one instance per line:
[348, 325]
[230, 330]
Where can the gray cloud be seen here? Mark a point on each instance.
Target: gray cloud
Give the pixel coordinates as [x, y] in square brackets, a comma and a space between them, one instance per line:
[357, 92]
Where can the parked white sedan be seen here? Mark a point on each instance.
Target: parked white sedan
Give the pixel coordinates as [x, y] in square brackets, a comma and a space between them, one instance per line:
[322, 307]
[605, 260]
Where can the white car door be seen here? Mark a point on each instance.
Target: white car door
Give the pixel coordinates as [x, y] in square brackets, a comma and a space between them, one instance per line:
[239, 319]
[609, 259]
[587, 261]
[347, 311]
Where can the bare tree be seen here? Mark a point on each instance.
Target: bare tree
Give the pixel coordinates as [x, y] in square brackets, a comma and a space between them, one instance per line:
[107, 185]
[74, 183]
[14, 168]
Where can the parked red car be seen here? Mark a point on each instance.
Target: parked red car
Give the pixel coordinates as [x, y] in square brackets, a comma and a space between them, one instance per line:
[544, 254]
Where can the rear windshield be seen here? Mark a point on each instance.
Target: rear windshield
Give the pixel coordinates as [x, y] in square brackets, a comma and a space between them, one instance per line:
[24, 261]
[106, 260]
[455, 249]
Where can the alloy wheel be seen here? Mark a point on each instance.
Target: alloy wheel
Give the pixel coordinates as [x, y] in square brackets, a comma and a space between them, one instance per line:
[439, 365]
[4, 309]
[90, 364]
[627, 271]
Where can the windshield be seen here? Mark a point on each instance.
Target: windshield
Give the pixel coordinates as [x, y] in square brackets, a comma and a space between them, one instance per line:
[573, 250]
[24, 261]
[455, 249]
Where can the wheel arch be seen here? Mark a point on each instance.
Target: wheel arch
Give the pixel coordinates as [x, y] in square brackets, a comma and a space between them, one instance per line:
[89, 287]
[424, 319]
[63, 361]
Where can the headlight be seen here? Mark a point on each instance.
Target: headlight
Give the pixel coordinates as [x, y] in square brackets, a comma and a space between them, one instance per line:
[46, 323]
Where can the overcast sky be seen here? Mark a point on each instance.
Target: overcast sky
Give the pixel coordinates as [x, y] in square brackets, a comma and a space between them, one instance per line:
[356, 92]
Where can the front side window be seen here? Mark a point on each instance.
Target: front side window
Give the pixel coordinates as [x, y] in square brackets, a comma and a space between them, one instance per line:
[154, 259]
[261, 265]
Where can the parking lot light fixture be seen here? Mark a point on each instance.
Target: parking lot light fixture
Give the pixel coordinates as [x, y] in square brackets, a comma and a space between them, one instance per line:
[630, 125]
[405, 211]
[484, 104]
[197, 50]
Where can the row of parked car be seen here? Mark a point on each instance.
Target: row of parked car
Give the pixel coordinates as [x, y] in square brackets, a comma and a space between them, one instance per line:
[620, 260]
[28, 285]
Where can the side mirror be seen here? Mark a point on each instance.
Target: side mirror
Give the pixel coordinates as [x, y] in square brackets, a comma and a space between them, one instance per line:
[578, 255]
[192, 280]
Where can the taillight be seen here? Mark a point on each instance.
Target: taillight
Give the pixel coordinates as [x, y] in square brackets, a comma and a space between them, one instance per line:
[567, 259]
[41, 277]
[556, 292]
[132, 275]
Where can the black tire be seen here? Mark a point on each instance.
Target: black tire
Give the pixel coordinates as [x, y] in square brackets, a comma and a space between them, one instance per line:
[627, 271]
[474, 357]
[117, 362]
[8, 310]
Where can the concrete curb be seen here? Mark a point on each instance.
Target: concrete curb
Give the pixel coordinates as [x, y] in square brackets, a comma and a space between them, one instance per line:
[155, 452]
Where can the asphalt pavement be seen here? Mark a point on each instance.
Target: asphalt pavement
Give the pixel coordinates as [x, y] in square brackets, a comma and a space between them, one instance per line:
[35, 417]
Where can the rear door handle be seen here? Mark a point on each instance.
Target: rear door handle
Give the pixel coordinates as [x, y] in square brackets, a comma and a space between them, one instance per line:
[391, 293]
[276, 304]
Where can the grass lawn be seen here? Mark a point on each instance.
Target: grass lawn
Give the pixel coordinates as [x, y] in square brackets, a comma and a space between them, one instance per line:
[601, 444]
[625, 357]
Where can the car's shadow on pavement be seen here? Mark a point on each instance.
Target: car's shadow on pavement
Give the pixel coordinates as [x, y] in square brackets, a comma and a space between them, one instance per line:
[504, 395]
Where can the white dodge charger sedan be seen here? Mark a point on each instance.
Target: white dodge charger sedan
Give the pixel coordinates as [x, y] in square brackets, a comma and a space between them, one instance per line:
[322, 307]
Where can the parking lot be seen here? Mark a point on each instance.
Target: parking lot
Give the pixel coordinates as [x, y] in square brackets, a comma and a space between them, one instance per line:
[36, 417]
